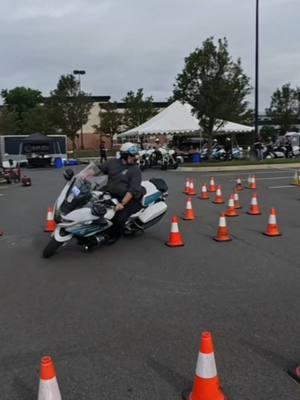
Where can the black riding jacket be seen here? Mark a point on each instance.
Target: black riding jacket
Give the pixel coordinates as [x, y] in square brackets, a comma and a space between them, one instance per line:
[122, 178]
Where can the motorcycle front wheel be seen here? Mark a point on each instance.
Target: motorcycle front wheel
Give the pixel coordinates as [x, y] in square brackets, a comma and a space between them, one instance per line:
[51, 248]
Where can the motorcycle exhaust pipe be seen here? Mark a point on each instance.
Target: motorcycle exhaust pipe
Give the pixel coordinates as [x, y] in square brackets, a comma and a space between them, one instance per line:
[95, 241]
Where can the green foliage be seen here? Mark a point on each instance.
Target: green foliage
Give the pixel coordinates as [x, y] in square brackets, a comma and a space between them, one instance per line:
[69, 107]
[21, 99]
[267, 132]
[214, 85]
[284, 108]
[8, 122]
[111, 120]
[39, 119]
[137, 109]
[19, 102]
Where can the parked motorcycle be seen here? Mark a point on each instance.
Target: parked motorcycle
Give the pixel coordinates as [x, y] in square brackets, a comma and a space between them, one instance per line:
[144, 159]
[84, 212]
[162, 157]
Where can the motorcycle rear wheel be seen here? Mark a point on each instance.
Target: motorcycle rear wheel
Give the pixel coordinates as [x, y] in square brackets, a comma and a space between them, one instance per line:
[51, 248]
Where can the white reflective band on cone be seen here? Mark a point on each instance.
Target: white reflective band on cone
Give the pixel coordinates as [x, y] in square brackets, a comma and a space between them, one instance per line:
[204, 189]
[174, 227]
[218, 192]
[188, 205]
[206, 366]
[236, 197]
[231, 203]
[48, 390]
[272, 219]
[254, 201]
[222, 222]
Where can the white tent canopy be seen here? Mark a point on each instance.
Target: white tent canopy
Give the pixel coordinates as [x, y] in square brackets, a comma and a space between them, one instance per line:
[233, 127]
[178, 118]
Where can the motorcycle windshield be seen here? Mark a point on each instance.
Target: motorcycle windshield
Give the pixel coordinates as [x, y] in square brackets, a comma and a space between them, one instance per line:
[97, 182]
[80, 189]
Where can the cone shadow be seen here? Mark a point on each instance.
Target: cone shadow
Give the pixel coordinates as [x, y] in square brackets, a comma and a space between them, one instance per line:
[173, 378]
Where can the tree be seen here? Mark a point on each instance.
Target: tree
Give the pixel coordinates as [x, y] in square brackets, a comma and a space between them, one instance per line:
[39, 119]
[69, 107]
[284, 108]
[111, 120]
[214, 85]
[20, 101]
[8, 122]
[137, 109]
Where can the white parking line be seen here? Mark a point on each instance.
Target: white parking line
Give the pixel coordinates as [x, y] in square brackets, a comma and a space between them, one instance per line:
[247, 173]
[281, 187]
[271, 178]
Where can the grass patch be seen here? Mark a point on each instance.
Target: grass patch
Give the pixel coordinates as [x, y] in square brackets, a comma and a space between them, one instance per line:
[89, 153]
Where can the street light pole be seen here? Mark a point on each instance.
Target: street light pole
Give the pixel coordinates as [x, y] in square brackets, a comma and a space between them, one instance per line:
[256, 68]
[79, 73]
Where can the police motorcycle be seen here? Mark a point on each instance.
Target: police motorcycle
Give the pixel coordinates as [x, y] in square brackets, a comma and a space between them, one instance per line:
[145, 159]
[84, 212]
[164, 158]
[237, 153]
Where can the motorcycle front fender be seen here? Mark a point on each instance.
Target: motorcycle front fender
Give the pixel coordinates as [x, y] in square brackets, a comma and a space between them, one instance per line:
[61, 236]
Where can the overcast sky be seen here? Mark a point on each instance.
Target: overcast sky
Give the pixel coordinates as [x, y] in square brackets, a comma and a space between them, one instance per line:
[127, 44]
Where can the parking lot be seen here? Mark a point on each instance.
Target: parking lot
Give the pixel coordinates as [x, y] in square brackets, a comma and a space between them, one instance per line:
[124, 321]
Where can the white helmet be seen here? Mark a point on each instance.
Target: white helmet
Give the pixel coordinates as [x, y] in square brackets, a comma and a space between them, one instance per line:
[129, 149]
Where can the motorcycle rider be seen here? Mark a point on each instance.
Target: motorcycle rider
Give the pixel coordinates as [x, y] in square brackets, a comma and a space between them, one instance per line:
[156, 155]
[124, 184]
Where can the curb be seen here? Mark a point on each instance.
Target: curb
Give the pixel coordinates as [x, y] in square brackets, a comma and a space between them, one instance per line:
[238, 168]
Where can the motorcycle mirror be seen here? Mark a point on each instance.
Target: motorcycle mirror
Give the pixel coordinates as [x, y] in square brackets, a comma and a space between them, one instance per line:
[68, 174]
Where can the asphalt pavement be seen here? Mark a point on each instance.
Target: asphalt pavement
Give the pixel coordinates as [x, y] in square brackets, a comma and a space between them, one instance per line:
[124, 321]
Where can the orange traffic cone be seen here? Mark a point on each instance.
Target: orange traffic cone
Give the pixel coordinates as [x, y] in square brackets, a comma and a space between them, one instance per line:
[231, 211]
[48, 387]
[50, 223]
[223, 232]
[218, 198]
[212, 186]
[253, 183]
[175, 239]
[204, 195]
[206, 383]
[272, 229]
[239, 185]
[189, 213]
[236, 200]
[187, 186]
[294, 372]
[192, 191]
[254, 208]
